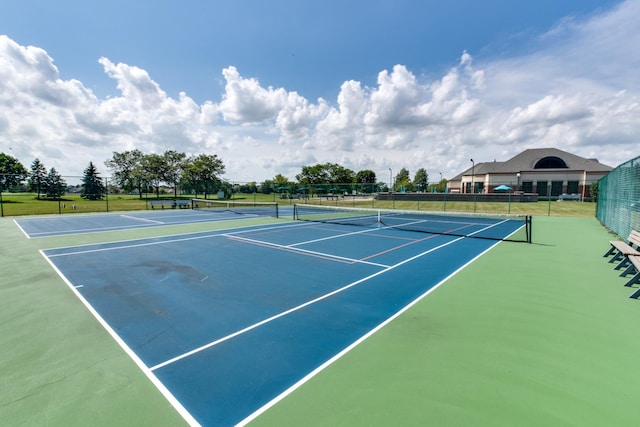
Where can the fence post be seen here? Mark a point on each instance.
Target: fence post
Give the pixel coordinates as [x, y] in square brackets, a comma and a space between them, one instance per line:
[549, 197]
[106, 192]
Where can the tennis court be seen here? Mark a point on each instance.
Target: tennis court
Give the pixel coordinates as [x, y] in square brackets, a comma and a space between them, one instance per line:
[226, 322]
[201, 211]
[516, 337]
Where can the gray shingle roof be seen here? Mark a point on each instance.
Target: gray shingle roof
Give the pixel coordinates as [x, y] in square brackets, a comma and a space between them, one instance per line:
[526, 161]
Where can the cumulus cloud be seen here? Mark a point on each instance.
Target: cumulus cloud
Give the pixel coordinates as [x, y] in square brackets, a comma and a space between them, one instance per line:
[246, 101]
[66, 125]
[576, 89]
[297, 119]
[551, 110]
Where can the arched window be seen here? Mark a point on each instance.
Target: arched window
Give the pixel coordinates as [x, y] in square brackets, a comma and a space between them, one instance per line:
[551, 162]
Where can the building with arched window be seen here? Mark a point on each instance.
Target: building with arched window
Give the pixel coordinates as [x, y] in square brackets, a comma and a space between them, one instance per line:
[539, 171]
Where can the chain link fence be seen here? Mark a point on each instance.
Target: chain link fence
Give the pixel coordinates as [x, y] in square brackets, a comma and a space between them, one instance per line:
[618, 206]
[19, 197]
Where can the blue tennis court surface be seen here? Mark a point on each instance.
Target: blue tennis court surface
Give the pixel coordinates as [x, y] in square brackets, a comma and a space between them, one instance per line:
[91, 223]
[226, 322]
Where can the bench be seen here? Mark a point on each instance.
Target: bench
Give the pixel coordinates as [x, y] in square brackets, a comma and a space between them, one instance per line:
[162, 204]
[565, 196]
[634, 267]
[621, 251]
[183, 204]
[172, 204]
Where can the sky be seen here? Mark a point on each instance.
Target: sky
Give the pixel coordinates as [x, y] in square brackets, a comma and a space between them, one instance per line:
[272, 86]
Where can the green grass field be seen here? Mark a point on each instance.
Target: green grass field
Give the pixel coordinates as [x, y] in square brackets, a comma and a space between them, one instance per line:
[15, 204]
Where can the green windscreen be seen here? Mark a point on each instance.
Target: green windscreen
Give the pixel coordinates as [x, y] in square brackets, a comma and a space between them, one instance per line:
[619, 199]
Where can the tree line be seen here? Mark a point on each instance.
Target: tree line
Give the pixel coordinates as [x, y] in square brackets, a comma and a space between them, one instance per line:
[46, 183]
[335, 176]
[137, 172]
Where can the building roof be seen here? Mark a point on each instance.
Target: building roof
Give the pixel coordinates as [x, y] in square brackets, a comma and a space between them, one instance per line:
[528, 159]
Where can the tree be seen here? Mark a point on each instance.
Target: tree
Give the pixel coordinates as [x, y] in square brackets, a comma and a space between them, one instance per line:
[202, 173]
[421, 179]
[92, 186]
[11, 172]
[403, 182]
[267, 186]
[281, 184]
[173, 167]
[54, 184]
[367, 179]
[248, 187]
[126, 171]
[593, 191]
[325, 173]
[315, 174]
[38, 177]
[339, 174]
[366, 176]
[281, 181]
[152, 169]
[440, 187]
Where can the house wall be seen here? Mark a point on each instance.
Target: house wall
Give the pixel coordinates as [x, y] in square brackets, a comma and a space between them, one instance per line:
[529, 181]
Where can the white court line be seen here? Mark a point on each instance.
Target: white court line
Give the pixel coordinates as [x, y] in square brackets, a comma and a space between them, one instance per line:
[337, 236]
[149, 371]
[145, 369]
[121, 227]
[308, 303]
[297, 308]
[85, 230]
[21, 229]
[169, 239]
[350, 347]
[305, 251]
[142, 219]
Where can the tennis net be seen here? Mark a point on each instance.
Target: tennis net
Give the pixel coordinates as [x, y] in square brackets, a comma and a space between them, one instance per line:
[239, 207]
[509, 227]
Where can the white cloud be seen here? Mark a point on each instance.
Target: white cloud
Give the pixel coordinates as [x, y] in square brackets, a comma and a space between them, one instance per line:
[395, 99]
[577, 89]
[551, 110]
[245, 101]
[297, 118]
[342, 128]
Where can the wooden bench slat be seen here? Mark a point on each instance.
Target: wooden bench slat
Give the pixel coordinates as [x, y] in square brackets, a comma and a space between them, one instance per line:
[621, 250]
